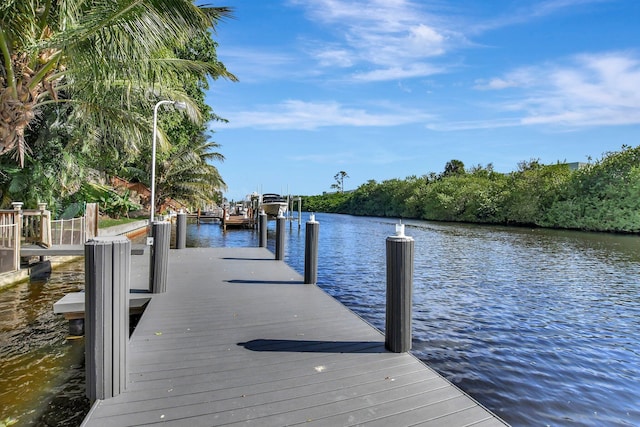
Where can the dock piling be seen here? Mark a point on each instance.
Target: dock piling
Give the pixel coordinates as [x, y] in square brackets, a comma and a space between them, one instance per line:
[280, 229]
[181, 230]
[400, 253]
[107, 283]
[262, 226]
[161, 232]
[311, 251]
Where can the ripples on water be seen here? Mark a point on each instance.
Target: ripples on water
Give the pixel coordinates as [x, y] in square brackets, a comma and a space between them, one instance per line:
[41, 372]
[539, 326]
[542, 327]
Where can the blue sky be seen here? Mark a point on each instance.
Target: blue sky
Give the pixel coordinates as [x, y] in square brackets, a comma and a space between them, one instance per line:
[386, 89]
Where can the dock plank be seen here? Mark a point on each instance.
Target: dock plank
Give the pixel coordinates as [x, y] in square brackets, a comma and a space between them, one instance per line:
[238, 339]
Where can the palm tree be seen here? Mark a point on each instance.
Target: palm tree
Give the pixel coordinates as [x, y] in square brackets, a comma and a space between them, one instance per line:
[111, 60]
[188, 176]
[339, 177]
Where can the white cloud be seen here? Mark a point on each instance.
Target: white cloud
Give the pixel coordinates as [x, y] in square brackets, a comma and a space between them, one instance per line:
[526, 12]
[253, 64]
[594, 89]
[474, 124]
[521, 78]
[381, 35]
[335, 58]
[296, 114]
[426, 39]
[397, 73]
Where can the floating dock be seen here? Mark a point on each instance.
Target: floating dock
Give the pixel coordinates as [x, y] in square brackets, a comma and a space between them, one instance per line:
[238, 339]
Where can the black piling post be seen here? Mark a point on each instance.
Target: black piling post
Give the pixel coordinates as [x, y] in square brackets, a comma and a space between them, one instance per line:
[312, 229]
[400, 250]
[161, 232]
[280, 229]
[181, 230]
[76, 327]
[107, 283]
[262, 227]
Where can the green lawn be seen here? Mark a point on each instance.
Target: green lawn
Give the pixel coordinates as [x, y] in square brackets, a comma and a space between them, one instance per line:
[110, 222]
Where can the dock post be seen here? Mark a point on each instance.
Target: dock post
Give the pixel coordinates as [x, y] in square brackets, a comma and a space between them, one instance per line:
[262, 227]
[311, 250]
[17, 219]
[161, 232]
[107, 283]
[280, 229]
[181, 230]
[400, 250]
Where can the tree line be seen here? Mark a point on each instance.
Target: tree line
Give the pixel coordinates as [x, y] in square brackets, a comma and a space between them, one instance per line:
[601, 195]
[78, 85]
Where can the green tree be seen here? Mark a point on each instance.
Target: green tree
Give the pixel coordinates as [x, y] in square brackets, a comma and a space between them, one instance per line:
[453, 167]
[603, 196]
[185, 164]
[339, 177]
[188, 177]
[533, 189]
[109, 59]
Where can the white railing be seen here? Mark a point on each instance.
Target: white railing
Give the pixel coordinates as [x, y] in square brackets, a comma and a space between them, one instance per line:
[34, 226]
[68, 231]
[9, 245]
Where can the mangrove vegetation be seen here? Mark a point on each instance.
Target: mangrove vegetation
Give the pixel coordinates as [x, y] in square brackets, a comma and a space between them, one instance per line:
[601, 195]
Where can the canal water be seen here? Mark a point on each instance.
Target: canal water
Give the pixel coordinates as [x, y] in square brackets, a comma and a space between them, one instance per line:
[540, 326]
[41, 370]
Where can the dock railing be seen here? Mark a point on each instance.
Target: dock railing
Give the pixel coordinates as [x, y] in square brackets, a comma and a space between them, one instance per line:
[9, 240]
[36, 226]
[69, 231]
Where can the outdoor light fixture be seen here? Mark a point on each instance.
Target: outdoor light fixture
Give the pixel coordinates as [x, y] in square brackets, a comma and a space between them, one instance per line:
[180, 106]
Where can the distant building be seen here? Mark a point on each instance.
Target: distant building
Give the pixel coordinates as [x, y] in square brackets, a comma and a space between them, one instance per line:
[576, 165]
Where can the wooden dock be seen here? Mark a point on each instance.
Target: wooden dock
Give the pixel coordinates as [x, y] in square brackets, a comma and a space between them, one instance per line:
[238, 339]
[237, 221]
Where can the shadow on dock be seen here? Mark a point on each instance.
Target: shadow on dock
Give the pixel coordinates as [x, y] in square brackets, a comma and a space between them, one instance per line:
[312, 346]
[265, 282]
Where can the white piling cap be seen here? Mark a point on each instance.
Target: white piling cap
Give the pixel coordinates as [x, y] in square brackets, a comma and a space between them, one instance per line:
[400, 229]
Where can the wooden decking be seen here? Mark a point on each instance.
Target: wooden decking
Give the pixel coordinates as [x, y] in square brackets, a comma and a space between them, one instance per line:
[237, 221]
[239, 340]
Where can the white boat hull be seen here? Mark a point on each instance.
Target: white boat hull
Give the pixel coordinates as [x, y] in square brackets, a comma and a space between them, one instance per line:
[272, 204]
[272, 209]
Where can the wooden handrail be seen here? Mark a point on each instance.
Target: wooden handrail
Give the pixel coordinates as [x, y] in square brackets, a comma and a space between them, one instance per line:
[36, 227]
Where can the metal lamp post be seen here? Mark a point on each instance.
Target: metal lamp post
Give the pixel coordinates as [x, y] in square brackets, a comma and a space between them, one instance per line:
[180, 106]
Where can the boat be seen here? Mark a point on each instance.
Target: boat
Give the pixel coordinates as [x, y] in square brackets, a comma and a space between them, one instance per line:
[273, 204]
